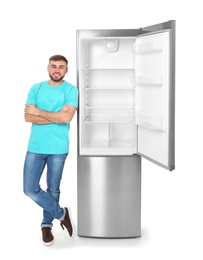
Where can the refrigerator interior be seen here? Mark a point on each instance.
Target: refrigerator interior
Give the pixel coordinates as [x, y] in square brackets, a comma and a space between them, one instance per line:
[124, 88]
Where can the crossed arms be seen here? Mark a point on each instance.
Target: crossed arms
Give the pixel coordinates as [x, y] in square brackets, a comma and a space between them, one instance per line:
[41, 117]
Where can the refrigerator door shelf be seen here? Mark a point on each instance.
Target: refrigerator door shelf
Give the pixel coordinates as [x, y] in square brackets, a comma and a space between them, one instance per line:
[149, 122]
[148, 81]
[148, 48]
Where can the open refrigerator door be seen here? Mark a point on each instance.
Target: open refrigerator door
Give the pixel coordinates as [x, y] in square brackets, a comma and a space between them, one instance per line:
[154, 98]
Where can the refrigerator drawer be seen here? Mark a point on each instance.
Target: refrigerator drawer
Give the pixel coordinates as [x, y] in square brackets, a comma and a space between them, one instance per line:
[108, 139]
[109, 196]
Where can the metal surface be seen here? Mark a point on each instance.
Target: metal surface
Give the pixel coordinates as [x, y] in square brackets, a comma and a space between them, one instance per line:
[124, 32]
[158, 27]
[109, 196]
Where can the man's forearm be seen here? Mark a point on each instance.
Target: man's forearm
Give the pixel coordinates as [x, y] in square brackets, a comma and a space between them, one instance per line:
[37, 119]
[64, 116]
[56, 117]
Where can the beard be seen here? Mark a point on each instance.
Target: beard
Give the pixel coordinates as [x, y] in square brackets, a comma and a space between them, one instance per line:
[57, 79]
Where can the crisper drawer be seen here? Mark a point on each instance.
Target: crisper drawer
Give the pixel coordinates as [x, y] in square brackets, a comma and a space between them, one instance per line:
[108, 139]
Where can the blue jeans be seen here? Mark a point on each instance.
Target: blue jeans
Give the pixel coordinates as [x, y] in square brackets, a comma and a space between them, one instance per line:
[49, 200]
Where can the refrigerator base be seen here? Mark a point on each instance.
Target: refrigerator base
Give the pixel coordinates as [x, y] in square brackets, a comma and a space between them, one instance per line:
[109, 197]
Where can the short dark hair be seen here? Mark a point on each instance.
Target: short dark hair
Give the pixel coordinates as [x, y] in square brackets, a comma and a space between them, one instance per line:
[58, 57]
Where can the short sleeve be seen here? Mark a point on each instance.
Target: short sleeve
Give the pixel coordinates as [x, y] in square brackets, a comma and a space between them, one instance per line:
[72, 97]
[32, 98]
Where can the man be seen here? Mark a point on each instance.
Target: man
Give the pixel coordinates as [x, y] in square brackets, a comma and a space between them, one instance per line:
[50, 107]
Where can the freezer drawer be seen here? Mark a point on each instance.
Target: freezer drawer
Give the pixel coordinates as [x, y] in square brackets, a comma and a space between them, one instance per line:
[109, 196]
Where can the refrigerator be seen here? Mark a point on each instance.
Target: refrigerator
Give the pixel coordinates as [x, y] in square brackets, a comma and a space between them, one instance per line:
[126, 81]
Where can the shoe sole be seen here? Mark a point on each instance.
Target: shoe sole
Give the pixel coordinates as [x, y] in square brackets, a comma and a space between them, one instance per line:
[48, 243]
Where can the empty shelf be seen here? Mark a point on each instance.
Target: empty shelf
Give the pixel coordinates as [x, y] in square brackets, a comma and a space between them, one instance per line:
[109, 119]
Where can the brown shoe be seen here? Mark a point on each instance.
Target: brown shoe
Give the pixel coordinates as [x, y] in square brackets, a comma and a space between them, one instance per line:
[47, 236]
[68, 223]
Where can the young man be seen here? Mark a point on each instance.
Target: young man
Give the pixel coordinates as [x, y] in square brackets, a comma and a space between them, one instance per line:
[50, 107]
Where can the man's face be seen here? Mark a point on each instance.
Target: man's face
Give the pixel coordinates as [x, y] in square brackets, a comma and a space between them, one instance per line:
[57, 70]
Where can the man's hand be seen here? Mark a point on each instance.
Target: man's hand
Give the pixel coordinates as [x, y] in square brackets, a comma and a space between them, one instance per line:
[31, 109]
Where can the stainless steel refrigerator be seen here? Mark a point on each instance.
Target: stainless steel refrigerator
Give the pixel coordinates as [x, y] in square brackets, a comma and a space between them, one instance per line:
[126, 81]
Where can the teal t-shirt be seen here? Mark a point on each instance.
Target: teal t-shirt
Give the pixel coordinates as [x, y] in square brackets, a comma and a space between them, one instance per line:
[51, 138]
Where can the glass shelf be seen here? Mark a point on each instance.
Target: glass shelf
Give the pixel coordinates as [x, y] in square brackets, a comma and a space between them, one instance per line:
[109, 88]
[103, 144]
[149, 122]
[109, 120]
[109, 106]
[109, 68]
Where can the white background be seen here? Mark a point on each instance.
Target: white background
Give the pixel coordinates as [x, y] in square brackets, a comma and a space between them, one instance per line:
[32, 31]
